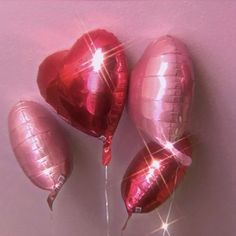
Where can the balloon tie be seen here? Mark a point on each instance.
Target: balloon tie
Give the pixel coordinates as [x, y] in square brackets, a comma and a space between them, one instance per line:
[53, 194]
[126, 223]
[106, 157]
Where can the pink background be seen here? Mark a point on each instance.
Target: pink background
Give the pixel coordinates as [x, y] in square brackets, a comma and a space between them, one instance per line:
[205, 201]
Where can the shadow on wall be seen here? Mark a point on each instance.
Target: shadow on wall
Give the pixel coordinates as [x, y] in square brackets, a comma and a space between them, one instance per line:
[198, 188]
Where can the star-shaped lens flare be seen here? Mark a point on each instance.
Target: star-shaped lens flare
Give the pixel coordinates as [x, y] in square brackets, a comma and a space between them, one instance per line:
[98, 59]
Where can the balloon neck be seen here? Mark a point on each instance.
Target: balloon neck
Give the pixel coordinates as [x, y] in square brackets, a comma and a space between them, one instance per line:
[106, 156]
[53, 194]
[126, 222]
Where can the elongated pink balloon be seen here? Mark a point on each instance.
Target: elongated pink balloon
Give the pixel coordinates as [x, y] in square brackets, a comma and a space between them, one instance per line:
[39, 146]
[161, 90]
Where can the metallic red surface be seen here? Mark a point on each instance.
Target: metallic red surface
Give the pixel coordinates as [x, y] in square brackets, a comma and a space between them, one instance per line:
[47, 76]
[161, 90]
[39, 146]
[90, 85]
[152, 176]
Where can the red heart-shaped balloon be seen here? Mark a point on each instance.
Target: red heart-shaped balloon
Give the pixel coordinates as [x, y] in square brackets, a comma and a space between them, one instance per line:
[87, 85]
[152, 176]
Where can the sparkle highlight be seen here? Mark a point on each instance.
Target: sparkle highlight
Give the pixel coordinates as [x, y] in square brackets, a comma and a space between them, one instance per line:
[98, 59]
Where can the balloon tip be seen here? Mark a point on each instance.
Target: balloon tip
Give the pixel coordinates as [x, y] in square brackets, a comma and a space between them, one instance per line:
[50, 200]
[53, 194]
[126, 222]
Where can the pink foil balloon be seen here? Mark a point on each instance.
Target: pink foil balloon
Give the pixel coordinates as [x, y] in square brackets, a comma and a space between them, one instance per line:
[39, 147]
[161, 90]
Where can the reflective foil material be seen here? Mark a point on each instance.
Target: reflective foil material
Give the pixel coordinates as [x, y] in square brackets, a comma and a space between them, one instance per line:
[161, 90]
[88, 85]
[152, 176]
[40, 147]
[47, 76]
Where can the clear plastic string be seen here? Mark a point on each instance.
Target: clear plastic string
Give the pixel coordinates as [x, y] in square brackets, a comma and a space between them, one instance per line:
[107, 202]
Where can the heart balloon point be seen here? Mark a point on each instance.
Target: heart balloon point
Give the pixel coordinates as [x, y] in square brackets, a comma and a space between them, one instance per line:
[106, 156]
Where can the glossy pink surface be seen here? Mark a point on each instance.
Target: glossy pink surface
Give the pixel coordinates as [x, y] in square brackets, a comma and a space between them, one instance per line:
[88, 86]
[152, 176]
[39, 146]
[161, 89]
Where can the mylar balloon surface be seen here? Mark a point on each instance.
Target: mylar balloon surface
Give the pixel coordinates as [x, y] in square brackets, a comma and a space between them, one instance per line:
[161, 90]
[88, 85]
[152, 176]
[40, 146]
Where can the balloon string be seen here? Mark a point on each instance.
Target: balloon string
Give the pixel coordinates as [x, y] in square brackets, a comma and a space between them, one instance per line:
[106, 201]
[52, 226]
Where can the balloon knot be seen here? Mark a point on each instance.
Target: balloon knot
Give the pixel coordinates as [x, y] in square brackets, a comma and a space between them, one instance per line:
[53, 194]
[106, 157]
[126, 222]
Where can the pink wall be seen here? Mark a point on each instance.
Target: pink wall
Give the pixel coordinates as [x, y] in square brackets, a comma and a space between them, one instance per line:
[30, 30]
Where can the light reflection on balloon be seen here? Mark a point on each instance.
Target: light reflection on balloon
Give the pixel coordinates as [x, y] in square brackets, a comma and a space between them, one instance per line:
[161, 90]
[98, 60]
[88, 89]
[40, 147]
